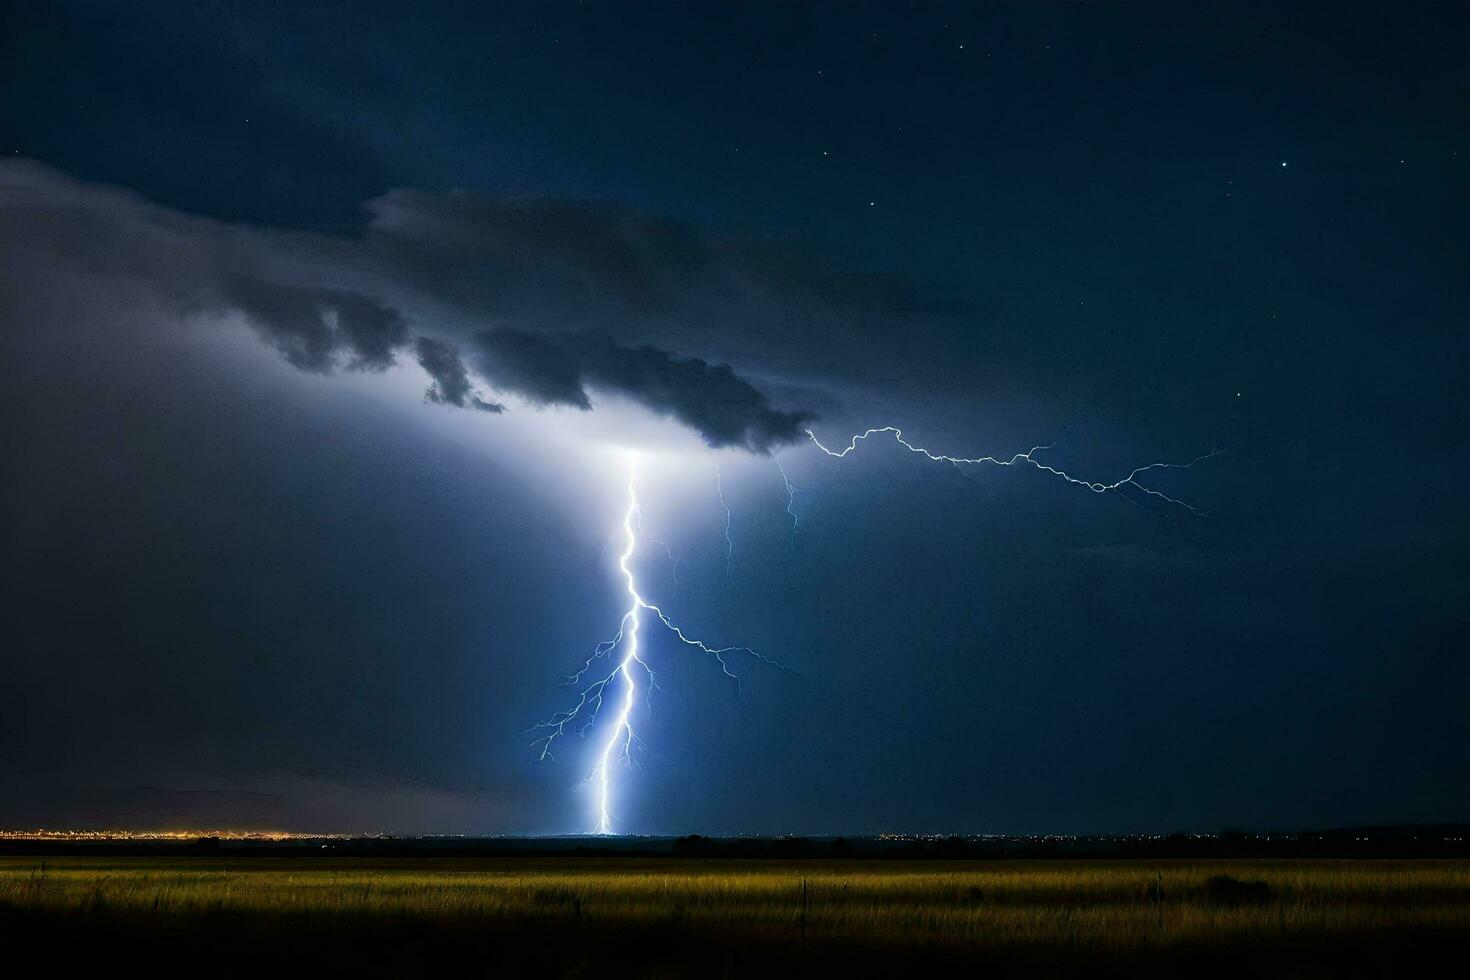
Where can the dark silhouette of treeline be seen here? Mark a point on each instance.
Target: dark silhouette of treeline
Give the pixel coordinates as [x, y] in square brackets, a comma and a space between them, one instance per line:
[1426, 841]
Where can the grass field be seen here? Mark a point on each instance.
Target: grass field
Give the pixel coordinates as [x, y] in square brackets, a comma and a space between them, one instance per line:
[603, 917]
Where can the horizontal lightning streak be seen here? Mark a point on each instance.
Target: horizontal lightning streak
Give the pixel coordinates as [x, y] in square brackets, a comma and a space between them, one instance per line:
[1029, 456]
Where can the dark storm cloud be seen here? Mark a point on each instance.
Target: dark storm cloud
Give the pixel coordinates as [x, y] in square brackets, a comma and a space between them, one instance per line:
[545, 266]
[598, 252]
[314, 328]
[451, 385]
[578, 299]
[533, 367]
[711, 399]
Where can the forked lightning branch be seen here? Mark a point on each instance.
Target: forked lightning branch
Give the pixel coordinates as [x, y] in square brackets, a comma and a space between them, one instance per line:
[616, 691]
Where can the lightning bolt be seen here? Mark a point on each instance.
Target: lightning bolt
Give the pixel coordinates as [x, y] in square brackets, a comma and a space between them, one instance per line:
[582, 716]
[620, 685]
[791, 489]
[729, 541]
[1129, 482]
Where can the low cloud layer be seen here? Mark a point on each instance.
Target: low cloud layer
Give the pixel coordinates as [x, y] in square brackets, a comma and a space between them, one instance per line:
[725, 409]
[316, 328]
[451, 384]
[554, 303]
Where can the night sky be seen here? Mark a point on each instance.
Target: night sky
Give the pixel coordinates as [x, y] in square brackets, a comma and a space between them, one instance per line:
[325, 331]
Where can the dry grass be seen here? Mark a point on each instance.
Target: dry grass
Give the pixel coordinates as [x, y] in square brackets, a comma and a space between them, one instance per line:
[1116, 910]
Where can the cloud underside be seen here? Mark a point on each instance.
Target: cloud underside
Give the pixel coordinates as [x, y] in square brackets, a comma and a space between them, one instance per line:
[551, 302]
[451, 384]
[316, 328]
[725, 409]
[320, 330]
